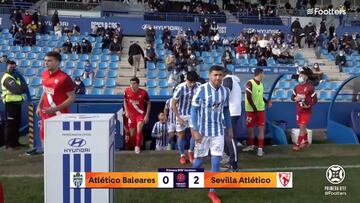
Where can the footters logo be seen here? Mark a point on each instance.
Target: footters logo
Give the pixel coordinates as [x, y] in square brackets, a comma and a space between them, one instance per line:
[335, 175]
[318, 11]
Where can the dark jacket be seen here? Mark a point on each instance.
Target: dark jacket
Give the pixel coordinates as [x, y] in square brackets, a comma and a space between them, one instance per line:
[135, 49]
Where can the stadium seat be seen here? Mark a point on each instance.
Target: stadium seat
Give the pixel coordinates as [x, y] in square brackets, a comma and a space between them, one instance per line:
[68, 71]
[213, 54]
[39, 72]
[100, 74]
[80, 65]
[41, 56]
[111, 83]
[27, 80]
[29, 72]
[253, 62]
[349, 70]
[114, 58]
[150, 66]
[47, 49]
[163, 84]
[109, 91]
[32, 91]
[205, 54]
[15, 49]
[203, 67]
[31, 56]
[5, 48]
[84, 57]
[271, 62]
[113, 66]
[94, 58]
[164, 92]
[112, 74]
[243, 62]
[24, 63]
[39, 92]
[151, 74]
[355, 120]
[64, 57]
[26, 49]
[106, 51]
[96, 51]
[334, 85]
[204, 75]
[150, 83]
[281, 94]
[70, 65]
[324, 95]
[74, 57]
[20, 56]
[98, 45]
[103, 65]
[161, 66]
[99, 83]
[284, 85]
[162, 74]
[218, 61]
[98, 39]
[35, 81]
[208, 61]
[78, 73]
[151, 91]
[293, 84]
[96, 91]
[87, 82]
[105, 58]
[91, 39]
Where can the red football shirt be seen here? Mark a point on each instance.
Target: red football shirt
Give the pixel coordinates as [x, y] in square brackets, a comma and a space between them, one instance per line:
[136, 101]
[56, 86]
[307, 91]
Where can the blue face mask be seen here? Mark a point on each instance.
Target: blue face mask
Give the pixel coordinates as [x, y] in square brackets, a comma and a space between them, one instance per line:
[301, 80]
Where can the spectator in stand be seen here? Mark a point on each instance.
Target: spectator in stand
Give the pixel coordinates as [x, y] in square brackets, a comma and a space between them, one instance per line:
[150, 54]
[30, 38]
[67, 47]
[19, 38]
[286, 57]
[57, 49]
[170, 62]
[55, 19]
[253, 51]
[181, 62]
[317, 72]
[262, 61]
[354, 42]
[214, 29]
[310, 31]
[101, 31]
[150, 35]
[189, 33]
[118, 32]
[106, 41]
[215, 41]
[27, 18]
[206, 27]
[332, 46]
[168, 43]
[331, 31]
[347, 49]
[66, 31]
[35, 17]
[58, 30]
[94, 31]
[32, 26]
[340, 60]
[3, 64]
[13, 29]
[323, 26]
[135, 54]
[241, 51]
[115, 47]
[166, 34]
[79, 86]
[75, 30]
[76, 48]
[86, 46]
[192, 63]
[227, 58]
[275, 52]
[319, 40]
[88, 70]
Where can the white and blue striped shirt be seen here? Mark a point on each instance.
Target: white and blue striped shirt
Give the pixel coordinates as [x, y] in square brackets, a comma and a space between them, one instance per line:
[171, 116]
[161, 128]
[211, 103]
[184, 94]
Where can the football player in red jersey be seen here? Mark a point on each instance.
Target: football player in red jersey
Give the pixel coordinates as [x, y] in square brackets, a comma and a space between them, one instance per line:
[137, 109]
[305, 97]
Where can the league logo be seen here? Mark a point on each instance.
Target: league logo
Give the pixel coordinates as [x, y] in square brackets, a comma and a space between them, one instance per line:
[78, 179]
[180, 177]
[284, 178]
[335, 174]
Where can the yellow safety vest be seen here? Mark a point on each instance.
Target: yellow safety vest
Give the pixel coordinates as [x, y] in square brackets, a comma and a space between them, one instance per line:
[6, 95]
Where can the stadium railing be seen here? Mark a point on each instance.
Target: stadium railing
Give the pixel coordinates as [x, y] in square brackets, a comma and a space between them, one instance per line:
[184, 17]
[263, 20]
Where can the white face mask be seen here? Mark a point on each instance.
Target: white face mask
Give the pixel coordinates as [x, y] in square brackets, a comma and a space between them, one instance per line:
[77, 82]
[301, 80]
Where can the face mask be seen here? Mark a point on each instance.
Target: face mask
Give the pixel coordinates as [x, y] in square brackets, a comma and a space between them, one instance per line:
[301, 80]
[77, 82]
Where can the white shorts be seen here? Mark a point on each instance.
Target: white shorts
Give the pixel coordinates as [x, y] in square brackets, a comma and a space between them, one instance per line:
[214, 144]
[171, 127]
[160, 148]
[188, 123]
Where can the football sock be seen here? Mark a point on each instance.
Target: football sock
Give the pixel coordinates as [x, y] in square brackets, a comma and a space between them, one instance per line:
[215, 166]
[181, 145]
[192, 144]
[197, 163]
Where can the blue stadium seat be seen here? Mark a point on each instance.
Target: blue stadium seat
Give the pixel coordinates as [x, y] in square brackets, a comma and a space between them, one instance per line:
[293, 84]
[112, 74]
[95, 58]
[164, 92]
[114, 58]
[73, 39]
[39, 92]
[84, 57]
[70, 65]
[26, 49]
[204, 74]
[203, 67]
[334, 85]
[280, 94]
[208, 60]
[5, 48]
[105, 58]
[98, 45]
[253, 62]
[213, 53]
[39, 72]
[218, 61]
[151, 74]
[150, 66]
[41, 56]
[162, 74]
[324, 95]
[271, 62]
[98, 39]
[29, 72]
[349, 70]
[80, 65]
[161, 66]
[3, 42]
[113, 66]
[287, 77]
[35, 81]
[24, 63]
[150, 83]
[52, 44]
[74, 57]
[100, 74]
[110, 83]
[109, 91]
[31, 56]
[68, 72]
[106, 51]
[96, 51]
[284, 85]
[64, 57]
[87, 82]
[15, 48]
[47, 49]
[230, 67]
[32, 91]
[5, 31]
[99, 83]
[96, 91]
[163, 84]
[20, 56]
[103, 65]
[205, 54]
[55, 38]
[91, 39]
[151, 91]
[10, 55]
[78, 73]
[27, 80]
[243, 62]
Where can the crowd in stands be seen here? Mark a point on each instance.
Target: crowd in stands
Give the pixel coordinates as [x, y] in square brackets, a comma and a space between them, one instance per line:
[263, 8]
[192, 7]
[112, 37]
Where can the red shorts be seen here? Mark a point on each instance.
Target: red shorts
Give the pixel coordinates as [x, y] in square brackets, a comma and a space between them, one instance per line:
[133, 120]
[303, 118]
[253, 119]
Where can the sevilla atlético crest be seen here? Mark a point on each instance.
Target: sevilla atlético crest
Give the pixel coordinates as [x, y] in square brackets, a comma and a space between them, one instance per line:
[284, 178]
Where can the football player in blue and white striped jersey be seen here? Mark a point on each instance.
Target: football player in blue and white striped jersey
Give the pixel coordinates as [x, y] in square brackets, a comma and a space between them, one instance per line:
[209, 113]
[160, 132]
